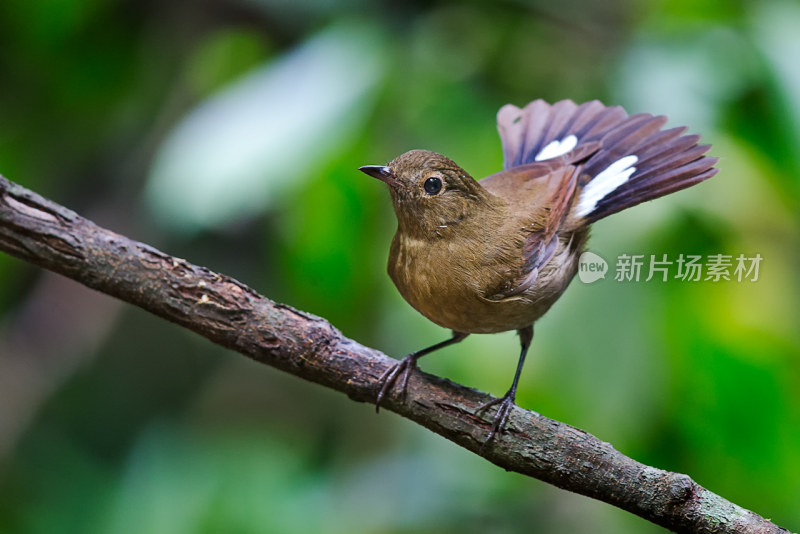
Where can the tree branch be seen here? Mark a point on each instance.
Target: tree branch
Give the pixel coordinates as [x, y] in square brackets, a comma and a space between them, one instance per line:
[232, 315]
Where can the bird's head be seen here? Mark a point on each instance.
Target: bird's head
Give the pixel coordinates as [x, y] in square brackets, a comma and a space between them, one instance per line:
[430, 193]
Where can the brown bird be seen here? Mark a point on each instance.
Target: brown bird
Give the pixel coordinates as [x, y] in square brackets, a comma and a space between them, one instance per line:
[493, 255]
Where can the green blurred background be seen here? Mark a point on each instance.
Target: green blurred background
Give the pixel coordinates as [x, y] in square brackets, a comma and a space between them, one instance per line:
[228, 132]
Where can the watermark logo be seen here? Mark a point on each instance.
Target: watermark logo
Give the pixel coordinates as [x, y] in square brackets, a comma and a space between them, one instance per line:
[591, 267]
[686, 268]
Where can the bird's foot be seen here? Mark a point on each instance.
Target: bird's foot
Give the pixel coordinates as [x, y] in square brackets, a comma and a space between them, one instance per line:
[387, 379]
[506, 403]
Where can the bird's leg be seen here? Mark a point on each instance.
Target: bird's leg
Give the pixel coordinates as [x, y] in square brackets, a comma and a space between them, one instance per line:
[506, 402]
[408, 363]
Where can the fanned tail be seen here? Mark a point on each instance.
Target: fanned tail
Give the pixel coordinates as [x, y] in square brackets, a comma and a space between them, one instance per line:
[627, 159]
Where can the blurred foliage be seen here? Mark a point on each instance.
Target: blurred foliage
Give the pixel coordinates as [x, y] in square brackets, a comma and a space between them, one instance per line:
[228, 132]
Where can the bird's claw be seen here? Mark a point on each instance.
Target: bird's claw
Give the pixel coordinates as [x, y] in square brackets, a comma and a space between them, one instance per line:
[500, 417]
[389, 377]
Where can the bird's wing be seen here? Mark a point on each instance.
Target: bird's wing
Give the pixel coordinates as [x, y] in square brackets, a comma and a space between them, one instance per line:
[540, 231]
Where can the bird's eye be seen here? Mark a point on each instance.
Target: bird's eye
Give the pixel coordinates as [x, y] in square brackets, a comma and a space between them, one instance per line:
[433, 185]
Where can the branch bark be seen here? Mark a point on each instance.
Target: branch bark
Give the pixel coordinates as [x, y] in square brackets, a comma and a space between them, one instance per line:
[231, 314]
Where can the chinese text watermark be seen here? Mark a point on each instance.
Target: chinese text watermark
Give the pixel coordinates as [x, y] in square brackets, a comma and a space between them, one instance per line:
[684, 267]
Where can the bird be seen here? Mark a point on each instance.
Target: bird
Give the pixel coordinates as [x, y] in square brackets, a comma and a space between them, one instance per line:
[493, 255]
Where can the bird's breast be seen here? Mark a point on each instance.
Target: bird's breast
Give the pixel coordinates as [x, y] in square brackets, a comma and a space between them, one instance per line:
[447, 282]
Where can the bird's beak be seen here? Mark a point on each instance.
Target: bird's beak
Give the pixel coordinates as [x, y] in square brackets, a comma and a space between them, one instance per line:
[381, 172]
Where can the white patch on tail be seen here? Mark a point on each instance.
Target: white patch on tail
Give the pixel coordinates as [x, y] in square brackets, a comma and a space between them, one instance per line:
[604, 183]
[557, 148]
